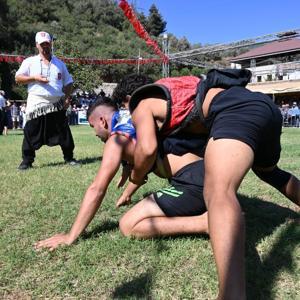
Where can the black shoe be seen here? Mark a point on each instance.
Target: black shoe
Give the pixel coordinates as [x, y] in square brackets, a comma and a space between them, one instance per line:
[24, 166]
[72, 162]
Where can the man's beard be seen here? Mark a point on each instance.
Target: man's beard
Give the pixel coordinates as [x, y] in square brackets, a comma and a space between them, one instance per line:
[47, 51]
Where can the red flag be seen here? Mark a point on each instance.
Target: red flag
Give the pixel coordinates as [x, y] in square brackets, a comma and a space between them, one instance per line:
[139, 29]
[86, 61]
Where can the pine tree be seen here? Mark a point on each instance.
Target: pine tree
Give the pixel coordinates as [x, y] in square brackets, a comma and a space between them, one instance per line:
[155, 25]
[143, 19]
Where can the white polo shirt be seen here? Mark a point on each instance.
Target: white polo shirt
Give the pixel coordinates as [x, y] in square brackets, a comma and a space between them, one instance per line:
[56, 72]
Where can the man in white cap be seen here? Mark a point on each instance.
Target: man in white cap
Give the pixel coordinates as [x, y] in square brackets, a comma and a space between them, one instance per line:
[49, 88]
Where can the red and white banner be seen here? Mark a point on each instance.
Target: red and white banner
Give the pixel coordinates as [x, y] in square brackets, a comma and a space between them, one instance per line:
[11, 58]
[87, 61]
[140, 30]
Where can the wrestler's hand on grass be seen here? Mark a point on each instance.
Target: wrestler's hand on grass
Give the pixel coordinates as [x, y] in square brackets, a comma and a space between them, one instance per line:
[123, 200]
[53, 242]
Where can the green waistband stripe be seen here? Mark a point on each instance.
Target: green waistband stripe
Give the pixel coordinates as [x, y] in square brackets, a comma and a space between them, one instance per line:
[171, 191]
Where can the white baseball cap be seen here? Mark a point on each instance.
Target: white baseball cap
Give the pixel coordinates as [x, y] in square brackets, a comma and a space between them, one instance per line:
[42, 37]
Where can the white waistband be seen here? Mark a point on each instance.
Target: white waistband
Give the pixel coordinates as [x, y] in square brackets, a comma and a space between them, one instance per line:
[42, 105]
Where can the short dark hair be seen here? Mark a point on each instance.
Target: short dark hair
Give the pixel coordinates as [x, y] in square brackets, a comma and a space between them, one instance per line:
[128, 85]
[104, 101]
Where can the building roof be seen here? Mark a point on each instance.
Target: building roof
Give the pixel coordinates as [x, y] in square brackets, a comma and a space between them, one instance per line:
[278, 87]
[277, 47]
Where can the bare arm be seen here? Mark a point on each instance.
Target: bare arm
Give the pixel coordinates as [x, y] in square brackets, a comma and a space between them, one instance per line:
[68, 89]
[24, 79]
[165, 168]
[94, 195]
[126, 170]
[125, 198]
[146, 146]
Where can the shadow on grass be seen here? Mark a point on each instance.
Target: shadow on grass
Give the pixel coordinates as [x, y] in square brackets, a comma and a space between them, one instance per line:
[262, 218]
[90, 160]
[138, 288]
[12, 132]
[100, 229]
[84, 161]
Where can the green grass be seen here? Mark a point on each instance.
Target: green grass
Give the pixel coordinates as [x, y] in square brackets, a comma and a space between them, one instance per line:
[103, 264]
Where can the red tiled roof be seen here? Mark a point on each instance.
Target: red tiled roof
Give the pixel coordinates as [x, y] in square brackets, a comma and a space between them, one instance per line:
[277, 47]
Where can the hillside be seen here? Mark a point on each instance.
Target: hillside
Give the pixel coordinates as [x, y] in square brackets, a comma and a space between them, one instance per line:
[82, 28]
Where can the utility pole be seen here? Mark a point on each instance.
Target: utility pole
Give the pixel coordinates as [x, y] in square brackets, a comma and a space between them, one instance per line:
[165, 48]
[138, 62]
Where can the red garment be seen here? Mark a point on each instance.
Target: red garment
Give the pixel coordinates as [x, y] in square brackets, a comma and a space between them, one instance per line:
[183, 92]
[179, 92]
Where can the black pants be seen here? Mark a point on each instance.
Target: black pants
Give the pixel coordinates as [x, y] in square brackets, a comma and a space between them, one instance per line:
[2, 120]
[51, 130]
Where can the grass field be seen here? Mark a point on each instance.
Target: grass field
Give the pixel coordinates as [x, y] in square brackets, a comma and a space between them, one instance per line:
[103, 264]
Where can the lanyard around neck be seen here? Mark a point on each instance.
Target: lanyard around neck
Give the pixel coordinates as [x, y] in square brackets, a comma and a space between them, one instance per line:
[45, 72]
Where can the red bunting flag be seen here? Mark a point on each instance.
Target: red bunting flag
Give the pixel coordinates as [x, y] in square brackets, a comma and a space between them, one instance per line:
[86, 61]
[139, 29]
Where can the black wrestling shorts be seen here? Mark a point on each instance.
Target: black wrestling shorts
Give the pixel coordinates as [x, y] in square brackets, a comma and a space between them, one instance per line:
[250, 117]
[185, 195]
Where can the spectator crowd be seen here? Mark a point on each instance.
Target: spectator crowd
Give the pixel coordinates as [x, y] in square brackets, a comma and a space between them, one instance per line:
[13, 114]
[290, 114]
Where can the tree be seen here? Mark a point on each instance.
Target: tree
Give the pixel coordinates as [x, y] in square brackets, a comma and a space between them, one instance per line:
[143, 19]
[4, 25]
[83, 28]
[86, 77]
[183, 44]
[155, 23]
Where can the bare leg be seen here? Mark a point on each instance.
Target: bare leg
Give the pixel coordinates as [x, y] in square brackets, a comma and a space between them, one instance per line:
[170, 226]
[147, 220]
[226, 163]
[292, 190]
[270, 175]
